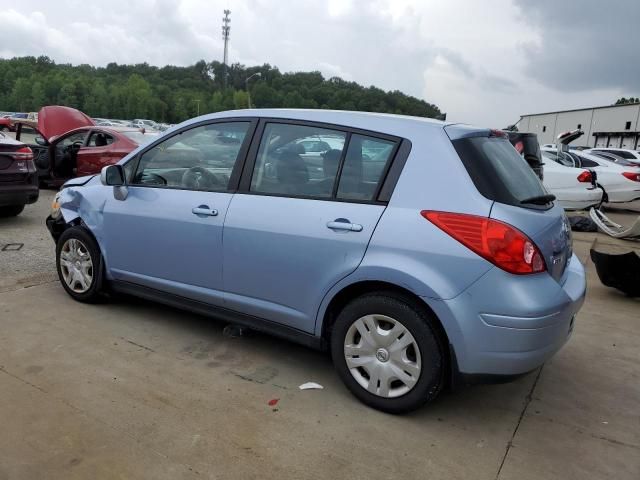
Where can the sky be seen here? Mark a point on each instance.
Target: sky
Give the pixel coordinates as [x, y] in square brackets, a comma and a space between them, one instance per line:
[482, 62]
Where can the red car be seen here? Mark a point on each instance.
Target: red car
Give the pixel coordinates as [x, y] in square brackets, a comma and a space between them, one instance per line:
[66, 143]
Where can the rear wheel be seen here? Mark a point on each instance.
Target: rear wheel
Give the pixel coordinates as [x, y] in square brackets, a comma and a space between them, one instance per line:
[388, 353]
[79, 265]
[11, 210]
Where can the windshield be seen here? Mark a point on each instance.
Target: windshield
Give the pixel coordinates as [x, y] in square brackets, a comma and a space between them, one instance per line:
[497, 170]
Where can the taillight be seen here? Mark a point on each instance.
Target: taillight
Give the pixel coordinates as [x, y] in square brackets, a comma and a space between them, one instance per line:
[499, 243]
[23, 153]
[632, 176]
[585, 177]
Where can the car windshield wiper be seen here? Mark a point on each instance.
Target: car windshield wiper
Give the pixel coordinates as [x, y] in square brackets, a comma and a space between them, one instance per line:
[539, 200]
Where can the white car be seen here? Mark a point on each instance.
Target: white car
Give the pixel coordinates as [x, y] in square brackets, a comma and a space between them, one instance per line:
[627, 154]
[572, 187]
[620, 184]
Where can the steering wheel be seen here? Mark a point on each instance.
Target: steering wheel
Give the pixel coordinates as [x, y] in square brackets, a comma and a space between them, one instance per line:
[199, 178]
[154, 177]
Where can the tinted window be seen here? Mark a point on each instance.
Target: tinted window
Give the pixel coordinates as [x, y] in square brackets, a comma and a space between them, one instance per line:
[621, 153]
[284, 165]
[497, 170]
[364, 167]
[201, 158]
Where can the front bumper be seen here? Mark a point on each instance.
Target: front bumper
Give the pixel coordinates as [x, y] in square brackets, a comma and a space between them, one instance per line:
[55, 226]
[506, 325]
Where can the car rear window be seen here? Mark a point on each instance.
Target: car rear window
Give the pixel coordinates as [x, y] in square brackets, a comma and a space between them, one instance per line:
[497, 170]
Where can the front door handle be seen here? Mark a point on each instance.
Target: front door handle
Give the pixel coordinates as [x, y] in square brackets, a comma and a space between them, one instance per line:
[345, 225]
[204, 211]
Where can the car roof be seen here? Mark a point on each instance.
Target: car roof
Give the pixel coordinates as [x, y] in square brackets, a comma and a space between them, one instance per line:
[399, 125]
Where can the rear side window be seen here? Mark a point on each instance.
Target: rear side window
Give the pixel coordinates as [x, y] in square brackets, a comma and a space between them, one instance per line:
[364, 165]
[621, 153]
[497, 170]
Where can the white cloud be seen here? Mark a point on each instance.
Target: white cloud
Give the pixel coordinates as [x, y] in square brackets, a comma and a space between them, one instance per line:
[472, 59]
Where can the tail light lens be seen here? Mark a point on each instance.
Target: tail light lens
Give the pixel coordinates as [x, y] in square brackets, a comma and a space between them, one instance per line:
[24, 153]
[499, 243]
[632, 176]
[585, 177]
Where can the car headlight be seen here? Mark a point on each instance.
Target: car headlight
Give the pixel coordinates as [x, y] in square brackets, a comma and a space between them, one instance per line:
[55, 207]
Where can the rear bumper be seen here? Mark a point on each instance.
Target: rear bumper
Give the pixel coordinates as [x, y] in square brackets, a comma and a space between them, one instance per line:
[505, 325]
[18, 194]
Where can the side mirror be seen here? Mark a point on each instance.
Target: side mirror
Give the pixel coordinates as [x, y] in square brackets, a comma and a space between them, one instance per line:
[112, 175]
[41, 141]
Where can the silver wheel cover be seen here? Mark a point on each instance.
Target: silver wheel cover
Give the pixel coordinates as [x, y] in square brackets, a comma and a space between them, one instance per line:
[382, 356]
[76, 265]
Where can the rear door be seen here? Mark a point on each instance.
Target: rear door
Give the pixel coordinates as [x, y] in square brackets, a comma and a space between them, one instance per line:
[293, 230]
[95, 154]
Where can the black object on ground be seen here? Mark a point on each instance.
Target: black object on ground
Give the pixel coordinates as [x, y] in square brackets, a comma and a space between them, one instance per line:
[582, 224]
[621, 271]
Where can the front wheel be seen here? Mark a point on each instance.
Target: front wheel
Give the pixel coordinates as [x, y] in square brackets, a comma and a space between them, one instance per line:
[388, 353]
[79, 265]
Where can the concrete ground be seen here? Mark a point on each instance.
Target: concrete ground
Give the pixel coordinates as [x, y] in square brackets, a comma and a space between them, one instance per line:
[131, 389]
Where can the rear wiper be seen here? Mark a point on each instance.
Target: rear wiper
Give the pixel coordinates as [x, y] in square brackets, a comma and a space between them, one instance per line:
[539, 200]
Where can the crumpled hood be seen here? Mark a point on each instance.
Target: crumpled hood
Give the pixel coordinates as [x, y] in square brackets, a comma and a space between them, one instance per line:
[55, 120]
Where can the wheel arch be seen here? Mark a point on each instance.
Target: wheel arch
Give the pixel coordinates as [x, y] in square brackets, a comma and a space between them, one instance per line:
[340, 299]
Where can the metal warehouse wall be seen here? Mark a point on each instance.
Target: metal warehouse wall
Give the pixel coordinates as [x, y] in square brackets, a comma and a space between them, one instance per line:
[600, 119]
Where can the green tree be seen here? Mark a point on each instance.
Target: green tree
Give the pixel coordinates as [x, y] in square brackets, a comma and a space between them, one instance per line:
[38, 99]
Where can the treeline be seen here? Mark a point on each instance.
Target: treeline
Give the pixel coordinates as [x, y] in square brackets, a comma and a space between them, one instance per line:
[626, 101]
[172, 94]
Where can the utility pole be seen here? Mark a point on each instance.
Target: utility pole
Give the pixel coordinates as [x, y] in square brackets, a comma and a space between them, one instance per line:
[225, 35]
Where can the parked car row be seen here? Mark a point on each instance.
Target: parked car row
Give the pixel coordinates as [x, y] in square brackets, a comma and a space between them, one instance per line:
[147, 125]
[584, 178]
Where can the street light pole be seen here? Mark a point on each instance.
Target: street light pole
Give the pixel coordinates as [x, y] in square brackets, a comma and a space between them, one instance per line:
[246, 85]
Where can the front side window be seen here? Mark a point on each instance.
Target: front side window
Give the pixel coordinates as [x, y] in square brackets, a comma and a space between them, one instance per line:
[77, 138]
[201, 158]
[294, 160]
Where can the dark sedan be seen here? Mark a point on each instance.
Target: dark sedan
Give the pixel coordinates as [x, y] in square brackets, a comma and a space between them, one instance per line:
[18, 177]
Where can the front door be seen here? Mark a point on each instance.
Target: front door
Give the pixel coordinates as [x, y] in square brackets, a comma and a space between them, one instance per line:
[167, 233]
[302, 225]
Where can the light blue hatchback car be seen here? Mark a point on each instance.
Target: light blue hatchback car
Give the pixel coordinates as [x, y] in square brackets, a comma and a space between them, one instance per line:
[420, 253]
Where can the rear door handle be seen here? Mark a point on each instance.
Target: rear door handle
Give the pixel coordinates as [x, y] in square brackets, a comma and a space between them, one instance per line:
[204, 211]
[344, 224]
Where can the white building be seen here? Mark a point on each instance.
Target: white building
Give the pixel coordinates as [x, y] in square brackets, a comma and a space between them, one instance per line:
[611, 126]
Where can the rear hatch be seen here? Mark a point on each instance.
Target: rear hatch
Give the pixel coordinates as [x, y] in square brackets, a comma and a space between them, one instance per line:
[502, 175]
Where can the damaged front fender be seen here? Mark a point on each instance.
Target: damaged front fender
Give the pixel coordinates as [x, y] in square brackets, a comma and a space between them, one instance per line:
[82, 201]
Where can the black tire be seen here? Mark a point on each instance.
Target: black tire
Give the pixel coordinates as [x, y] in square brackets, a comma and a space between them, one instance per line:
[11, 210]
[420, 323]
[94, 292]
